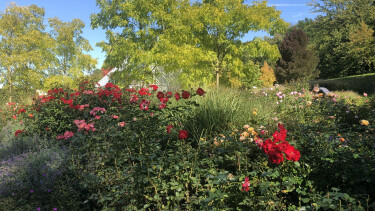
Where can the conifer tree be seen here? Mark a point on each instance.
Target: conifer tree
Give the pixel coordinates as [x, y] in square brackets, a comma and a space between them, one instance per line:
[297, 62]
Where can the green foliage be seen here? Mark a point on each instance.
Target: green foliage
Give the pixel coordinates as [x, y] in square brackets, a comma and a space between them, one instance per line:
[70, 47]
[339, 148]
[260, 51]
[297, 62]
[130, 161]
[227, 109]
[31, 59]
[59, 81]
[342, 36]
[34, 173]
[23, 47]
[199, 38]
[268, 75]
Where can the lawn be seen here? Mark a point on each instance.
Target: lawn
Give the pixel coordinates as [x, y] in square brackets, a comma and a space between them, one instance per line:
[359, 83]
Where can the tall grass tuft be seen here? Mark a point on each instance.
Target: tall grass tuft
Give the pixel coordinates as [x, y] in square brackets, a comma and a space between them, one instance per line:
[226, 109]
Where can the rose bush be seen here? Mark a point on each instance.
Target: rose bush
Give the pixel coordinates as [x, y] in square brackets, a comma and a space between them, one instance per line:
[141, 149]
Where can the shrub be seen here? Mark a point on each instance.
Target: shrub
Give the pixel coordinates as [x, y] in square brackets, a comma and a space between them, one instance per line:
[268, 75]
[296, 62]
[146, 149]
[34, 174]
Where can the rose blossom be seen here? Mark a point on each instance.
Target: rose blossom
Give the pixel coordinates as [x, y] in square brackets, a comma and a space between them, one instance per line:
[246, 185]
[185, 94]
[177, 96]
[200, 91]
[169, 127]
[275, 156]
[183, 134]
[292, 153]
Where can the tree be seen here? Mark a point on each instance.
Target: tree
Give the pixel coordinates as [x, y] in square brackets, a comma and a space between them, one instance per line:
[200, 38]
[226, 22]
[332, 34]
[362, 46]
[268, 75]
[296, 62]
[70, 59]
[24, 47]
[141, 22]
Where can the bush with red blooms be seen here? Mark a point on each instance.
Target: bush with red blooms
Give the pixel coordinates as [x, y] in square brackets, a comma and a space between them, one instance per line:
[121, 128]
[60, 108]
[276, 148]
[133, 150]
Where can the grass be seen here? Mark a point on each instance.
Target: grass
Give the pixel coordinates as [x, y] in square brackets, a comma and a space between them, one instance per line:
[227, 109]
[357, 83]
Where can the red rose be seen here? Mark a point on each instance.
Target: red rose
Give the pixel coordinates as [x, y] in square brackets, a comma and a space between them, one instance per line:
[282, 146]
[163, 100]
[154, 87]
[109, 85]
[281, 128]
[169, 127]
[292, 153]
[161, 106]
[160, 95]
[185, 94]
[183, 134]
[168, 94]
[200, 91]
[275, 156]
[21, 111]
[280, 136]
[142, 92]
[18, 132]
[177, 96]
[268, 145]
[246, 185]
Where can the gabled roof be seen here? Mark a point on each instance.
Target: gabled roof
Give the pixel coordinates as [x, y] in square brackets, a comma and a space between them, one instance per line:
[105, 79]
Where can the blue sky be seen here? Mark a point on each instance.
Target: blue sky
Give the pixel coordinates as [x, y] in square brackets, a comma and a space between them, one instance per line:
[291, 11]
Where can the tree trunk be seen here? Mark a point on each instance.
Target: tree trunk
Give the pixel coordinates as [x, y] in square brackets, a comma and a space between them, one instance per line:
[10, 84]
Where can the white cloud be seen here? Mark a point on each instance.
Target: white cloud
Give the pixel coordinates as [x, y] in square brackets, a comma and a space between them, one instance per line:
[300, 14]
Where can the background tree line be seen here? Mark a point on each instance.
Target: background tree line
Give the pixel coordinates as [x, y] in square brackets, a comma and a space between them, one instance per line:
[193, 42]
[202, 41]
[32, 58]
[342, 36]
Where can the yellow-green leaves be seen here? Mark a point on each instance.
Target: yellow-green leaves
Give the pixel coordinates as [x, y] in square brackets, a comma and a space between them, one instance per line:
[70, 59]
[23, 47]
[198, 39]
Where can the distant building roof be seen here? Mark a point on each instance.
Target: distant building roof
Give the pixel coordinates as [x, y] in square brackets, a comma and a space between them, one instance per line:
[105, 79]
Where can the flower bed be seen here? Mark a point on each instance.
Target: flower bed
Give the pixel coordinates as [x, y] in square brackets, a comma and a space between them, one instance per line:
[135, 149]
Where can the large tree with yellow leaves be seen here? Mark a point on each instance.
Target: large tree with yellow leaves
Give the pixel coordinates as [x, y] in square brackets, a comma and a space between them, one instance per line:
[199, 39]
[24, 47]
